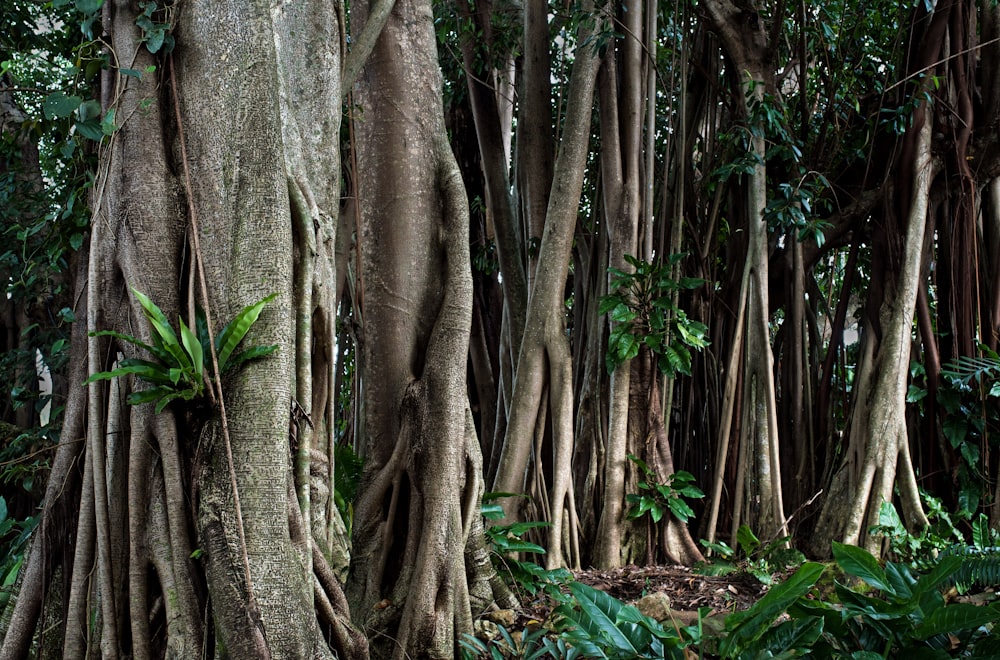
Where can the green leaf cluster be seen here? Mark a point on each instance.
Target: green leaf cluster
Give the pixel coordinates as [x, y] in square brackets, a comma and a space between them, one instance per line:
[656, 499]
[643, 313]
[760, 560]
[597, 625]
[180, 364]
[13, 541]
[508, 545]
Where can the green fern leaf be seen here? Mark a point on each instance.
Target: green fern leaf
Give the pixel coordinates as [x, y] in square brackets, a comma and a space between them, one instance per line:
[162, 329]
[231, 335]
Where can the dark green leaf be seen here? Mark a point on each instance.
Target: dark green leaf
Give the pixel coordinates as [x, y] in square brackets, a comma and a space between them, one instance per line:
[859, 563]
[747, 540]
[955, 618]
[749, 625]
[251, 353]
[57, 105]
[235, 330]
[194, 351]
[90, 129]
[602, 610]
[89, 6]
[162, 328]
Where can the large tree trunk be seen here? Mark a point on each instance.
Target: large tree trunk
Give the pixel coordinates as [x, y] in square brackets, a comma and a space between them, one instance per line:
[194, 205]
[758, 490]
[879, 443]
[544, 354]
[417, 522]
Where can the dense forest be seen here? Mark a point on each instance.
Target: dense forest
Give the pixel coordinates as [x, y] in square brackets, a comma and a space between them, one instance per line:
[314, 309]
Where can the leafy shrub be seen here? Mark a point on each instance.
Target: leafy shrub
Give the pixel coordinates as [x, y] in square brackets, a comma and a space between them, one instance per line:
[905, 614]
[508, 544]
[599, 625]
[658, 498]
[641, 304]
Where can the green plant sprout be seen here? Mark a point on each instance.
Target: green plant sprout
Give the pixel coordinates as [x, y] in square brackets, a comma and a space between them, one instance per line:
[180, 368]
[507, 543]
[658, 498]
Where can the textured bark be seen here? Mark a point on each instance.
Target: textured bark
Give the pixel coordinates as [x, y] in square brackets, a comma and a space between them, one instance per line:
[226, 154]
[419, 501]
[544, 324]
[879, 449]
[745, 43]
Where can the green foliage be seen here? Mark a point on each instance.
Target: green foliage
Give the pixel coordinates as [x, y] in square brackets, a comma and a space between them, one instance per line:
[760, 561]
[530, 644]
[980, 564]
[641, 305]
[181, 364]
[967, 399]
[906, 613]
[753, 631]
[14, 536]
[508, 543]
[658, 498]
[155, 26]
[346, 479]
[601, 626]
[915, 549]
[896, 613]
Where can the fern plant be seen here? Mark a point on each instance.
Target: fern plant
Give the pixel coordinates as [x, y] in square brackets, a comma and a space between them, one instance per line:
[181, 364]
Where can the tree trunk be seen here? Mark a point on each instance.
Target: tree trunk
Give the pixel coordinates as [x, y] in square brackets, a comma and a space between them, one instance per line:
[201, 188]
[418, 510]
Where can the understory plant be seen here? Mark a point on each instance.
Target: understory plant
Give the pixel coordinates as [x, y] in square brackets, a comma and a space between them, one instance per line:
[181, 365]
[656, 499]
[644, 311]
[760, 560]
[509, 546]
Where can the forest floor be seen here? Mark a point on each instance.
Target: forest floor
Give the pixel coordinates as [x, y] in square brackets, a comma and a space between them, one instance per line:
[686, 590]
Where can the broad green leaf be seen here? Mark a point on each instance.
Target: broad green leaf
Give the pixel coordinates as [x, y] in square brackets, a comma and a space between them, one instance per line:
[89, 6]
[955, 618]
[491, 511]
[517, 529]
[251, 353]
[640, 463]
[747, 540]
[147, 396]
[161, 355]
[147, 371]
[90, 129]
[940, 574]
[194, 351]
[981, 536]
[231, 335]
[749, 625]
[602, 610]
[900, 579]
[516, 545]
[859, 563]
[3, 508]
[183, 394]
[57, 105]
[162, 328]
[680, 509]
[793, 635]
